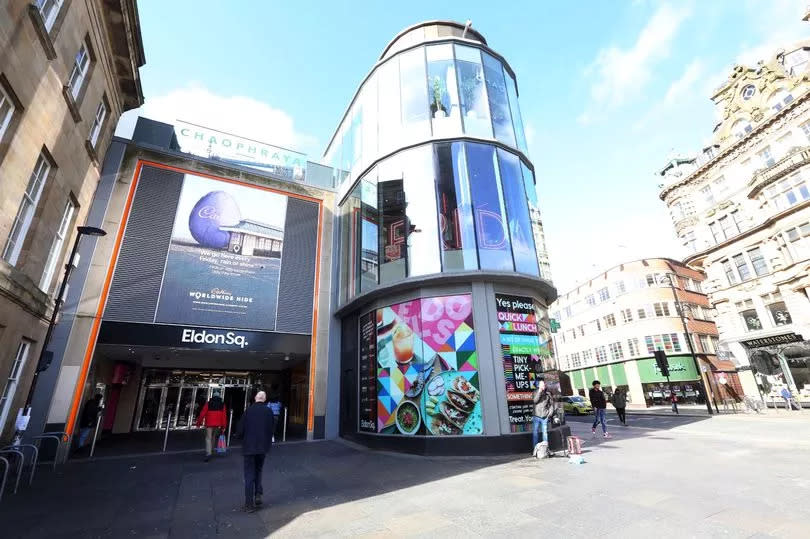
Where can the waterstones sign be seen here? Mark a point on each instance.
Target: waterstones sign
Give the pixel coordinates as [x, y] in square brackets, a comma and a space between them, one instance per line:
[207, 142]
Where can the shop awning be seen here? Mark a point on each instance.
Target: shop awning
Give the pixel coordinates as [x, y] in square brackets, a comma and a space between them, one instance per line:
[718, 365]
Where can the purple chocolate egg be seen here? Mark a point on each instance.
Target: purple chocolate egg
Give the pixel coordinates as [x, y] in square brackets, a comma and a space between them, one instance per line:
[214, 210]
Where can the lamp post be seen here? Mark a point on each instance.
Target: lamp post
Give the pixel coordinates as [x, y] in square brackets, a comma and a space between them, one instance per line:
[44, 361]
[670, 279]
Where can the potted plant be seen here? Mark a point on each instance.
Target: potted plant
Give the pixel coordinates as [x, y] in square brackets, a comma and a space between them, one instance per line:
[439, 92]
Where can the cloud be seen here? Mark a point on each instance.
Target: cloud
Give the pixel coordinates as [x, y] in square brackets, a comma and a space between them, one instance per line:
[620, 74]
[783, 21]
[680, 89]
[240, 115]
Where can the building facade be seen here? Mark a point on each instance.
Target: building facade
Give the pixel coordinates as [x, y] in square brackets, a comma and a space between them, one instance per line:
[611, 326]
[742, 209]
[67, 72]
[442, 275]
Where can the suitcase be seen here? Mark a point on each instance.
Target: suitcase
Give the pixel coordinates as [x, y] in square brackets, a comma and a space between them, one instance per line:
[558, 440]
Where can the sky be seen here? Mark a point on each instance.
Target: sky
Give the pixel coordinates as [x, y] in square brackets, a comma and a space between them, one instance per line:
[608, 90]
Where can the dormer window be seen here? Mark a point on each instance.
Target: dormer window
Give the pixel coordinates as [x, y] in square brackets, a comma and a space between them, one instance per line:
[741, 128]
[779, 99]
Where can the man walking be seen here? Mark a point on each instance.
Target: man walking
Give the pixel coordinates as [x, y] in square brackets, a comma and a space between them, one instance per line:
[256, 430]
[620, 403]
[599, 404]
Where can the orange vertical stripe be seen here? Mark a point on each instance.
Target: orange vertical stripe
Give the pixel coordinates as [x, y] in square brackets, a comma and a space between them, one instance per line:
[314, 339]
[102, 301]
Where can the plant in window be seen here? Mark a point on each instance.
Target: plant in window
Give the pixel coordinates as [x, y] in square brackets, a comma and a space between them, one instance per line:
[439, 97]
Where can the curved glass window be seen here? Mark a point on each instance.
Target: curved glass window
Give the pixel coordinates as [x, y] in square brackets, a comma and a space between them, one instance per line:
[388, 113]
[472, 92]
[440, 207]
[517, 119]
[498, 100]
[443, 91]
[413, 91]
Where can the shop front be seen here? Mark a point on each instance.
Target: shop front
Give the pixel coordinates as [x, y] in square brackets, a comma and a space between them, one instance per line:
[781, 361]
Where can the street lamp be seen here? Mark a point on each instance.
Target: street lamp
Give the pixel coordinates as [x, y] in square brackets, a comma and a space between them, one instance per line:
[680, 308]
[24, 414]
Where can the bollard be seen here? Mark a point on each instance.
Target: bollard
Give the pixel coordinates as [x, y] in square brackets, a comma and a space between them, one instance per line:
[284, 432]
[230, 424]
[95, 437]
[166, 436]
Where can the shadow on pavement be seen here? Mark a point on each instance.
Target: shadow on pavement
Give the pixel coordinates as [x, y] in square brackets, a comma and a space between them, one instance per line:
[179, 495]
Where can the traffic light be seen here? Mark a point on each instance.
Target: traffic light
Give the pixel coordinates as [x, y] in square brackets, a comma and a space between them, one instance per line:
[661, 361]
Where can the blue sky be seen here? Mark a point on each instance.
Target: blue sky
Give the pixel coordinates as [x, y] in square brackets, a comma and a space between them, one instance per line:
[608, 90]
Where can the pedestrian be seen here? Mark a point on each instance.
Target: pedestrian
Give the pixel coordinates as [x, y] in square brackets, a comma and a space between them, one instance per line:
[215, 416]
[620, 403]
[599, 404]
[89, 418]
[788, 397]
[544, 409]
[674, 400]
[256, 430]
[275, 406]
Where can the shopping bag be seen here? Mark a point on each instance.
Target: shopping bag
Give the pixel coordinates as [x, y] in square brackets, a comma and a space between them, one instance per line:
[222, 445]
[574, 445]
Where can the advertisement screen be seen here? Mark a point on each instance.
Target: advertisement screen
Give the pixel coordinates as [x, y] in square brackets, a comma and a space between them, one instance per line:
[523, 350]
[427, 367]
[224, 258]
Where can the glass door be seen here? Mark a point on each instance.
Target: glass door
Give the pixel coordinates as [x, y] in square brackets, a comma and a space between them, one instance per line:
[184, 408]
[150, 408]
[169, 405]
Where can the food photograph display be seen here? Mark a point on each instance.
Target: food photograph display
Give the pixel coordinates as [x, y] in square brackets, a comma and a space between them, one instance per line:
[427, 368]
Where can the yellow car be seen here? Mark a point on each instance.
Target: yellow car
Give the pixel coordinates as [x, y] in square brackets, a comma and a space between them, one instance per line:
[576, 405]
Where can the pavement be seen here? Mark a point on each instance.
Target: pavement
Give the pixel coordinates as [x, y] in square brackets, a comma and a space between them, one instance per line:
[728, 476]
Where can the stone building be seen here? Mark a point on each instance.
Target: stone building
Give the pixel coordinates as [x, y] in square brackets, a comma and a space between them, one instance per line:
[742, 209]
[611, 326]
[68, 70]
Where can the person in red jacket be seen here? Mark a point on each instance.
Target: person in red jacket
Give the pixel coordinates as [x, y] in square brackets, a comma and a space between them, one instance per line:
[214, 414]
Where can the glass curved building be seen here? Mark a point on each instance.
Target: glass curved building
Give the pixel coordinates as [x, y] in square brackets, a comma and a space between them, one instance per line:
[443, 276]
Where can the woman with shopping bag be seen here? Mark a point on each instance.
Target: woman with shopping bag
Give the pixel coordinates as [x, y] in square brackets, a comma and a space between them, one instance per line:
[214, 415]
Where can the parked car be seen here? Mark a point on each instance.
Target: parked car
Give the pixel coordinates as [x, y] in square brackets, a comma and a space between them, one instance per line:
[576, 405]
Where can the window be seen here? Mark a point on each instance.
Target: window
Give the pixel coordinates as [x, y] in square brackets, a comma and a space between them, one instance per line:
[627, 316]
[620, 287]
[704, 344]
[517, 213]
[689, 241]
[610, 321]
[707, 195]
[604, 294]
[6, 111]
[661, 309]
[720, 186]
[56, 247]
[739, 220]
[587, 356]
[779, 99]
[632, 347]
[473, 92]
[582, 330]
[741, 128]
[567, 311]
[749, 315]
[98, 123]
[805, 127]
[788, 191]
[696, 286]
[766, 157]
[642, 313]
[742, 267]
[616, 352]
[668, 342]
[575, 360]
[590, 300]
[494, 249]
[81, 64]
[748, 91]
[729, 270]
[49, 9]
[601, 354]
[25, 213]
[455, 209]
[498, 100]
[729, 226]
[443, 90]
[779, 312]
[758, 261]
[7, 397]
[598, 325]
[717, 232]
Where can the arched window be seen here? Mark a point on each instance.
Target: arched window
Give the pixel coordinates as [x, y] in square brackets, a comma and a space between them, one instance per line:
[779, 99]
[741, 128]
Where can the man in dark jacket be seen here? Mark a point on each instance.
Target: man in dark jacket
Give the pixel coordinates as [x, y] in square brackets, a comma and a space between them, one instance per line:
[92, 408]
[544, 408]
[256, 430]
[620, 403]
[599, 404]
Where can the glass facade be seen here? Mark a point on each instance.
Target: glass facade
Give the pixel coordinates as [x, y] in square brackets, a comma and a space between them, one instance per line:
[441, 90]
[438, 207]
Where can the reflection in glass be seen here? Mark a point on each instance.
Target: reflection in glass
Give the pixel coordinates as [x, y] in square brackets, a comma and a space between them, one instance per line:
[517, 211]
[494, 250]
[369, 125]
[389, 107]
[420, 195]
[415, 117]
[443, 91]
[534, 216]
[393, 223]
[349, 241]
[455, 208]
[472, 92]
[517, 119]
[498, 101]
[369, 235]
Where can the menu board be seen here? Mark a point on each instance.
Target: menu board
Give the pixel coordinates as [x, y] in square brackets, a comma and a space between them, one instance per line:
[368, 372]
[523, 352]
